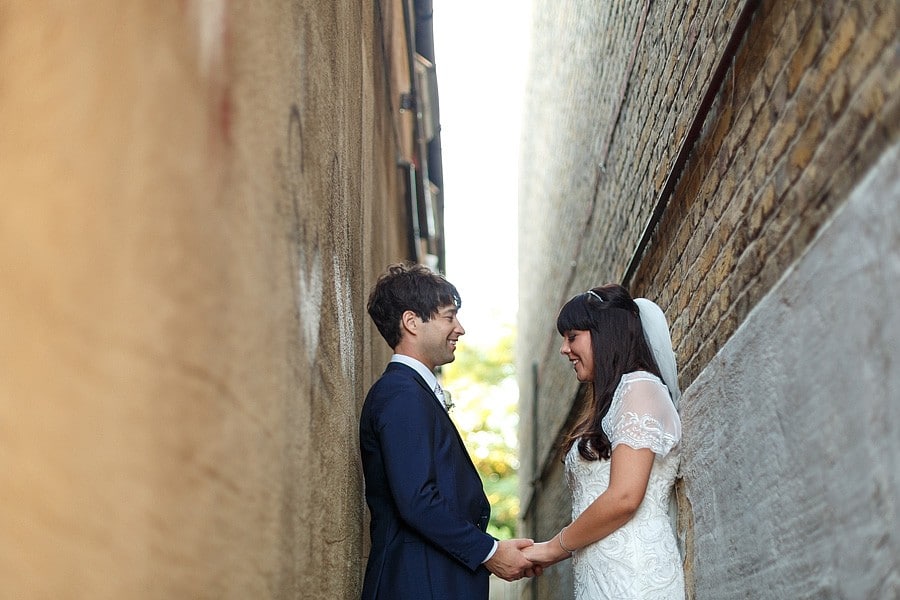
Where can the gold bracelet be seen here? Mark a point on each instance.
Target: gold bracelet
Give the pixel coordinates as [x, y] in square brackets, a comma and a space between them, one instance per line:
[561, 543]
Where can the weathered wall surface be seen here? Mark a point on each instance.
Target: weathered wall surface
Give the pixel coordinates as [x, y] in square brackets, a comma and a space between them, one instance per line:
[796, 420]
[810, 103]
[691, 150]
[196, 197]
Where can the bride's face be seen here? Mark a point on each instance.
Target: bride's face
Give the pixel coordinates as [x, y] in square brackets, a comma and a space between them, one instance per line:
[576, 347]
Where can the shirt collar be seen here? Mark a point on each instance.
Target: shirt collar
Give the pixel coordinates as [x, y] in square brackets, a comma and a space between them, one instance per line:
[419, 368]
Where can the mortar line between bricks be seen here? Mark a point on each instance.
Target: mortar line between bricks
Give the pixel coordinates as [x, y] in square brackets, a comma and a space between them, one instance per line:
[769, 175]
[623, 89]
[695, 131]
[762, 185]
[826, 183]
[760, 77]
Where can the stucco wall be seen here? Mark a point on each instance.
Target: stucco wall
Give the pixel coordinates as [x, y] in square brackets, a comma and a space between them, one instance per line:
[196, 197]
[792, 432]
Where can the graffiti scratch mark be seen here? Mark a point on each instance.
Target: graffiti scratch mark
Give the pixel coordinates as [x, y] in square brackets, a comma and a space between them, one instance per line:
[310, 283]
[339, 221]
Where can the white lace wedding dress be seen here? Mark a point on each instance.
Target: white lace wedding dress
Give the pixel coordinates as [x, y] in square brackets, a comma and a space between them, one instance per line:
[640, 560]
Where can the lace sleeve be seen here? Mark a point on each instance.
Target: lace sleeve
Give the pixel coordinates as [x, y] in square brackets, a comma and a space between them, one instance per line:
[645, 417]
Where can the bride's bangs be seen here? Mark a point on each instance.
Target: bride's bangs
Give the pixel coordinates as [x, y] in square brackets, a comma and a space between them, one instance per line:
[574, 316]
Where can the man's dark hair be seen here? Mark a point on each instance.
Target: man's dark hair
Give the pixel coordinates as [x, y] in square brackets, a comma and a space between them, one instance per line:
[406, 287]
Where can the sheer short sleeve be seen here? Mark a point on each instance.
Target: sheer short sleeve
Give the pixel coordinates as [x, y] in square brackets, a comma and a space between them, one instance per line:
[642, 415]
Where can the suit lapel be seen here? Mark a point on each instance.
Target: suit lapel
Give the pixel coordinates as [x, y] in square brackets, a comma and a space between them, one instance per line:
[417, 378]
[448, 421]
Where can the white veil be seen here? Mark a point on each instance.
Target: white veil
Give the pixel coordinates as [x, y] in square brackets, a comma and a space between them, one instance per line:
[656, 332]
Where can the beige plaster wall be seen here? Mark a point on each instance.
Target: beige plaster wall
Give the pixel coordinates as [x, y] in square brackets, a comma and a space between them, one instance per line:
[186, 240]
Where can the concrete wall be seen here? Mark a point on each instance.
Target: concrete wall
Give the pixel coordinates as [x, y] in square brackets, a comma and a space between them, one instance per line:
[196, 197]
[692, 151]
[792, 431]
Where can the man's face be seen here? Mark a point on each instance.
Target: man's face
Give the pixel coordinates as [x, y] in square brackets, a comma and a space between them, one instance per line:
[439, 334]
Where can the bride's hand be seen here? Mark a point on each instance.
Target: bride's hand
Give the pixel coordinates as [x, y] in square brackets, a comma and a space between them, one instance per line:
[545, 553]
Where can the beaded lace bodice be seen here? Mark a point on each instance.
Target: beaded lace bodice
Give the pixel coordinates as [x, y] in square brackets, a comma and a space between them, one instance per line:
[640, 560]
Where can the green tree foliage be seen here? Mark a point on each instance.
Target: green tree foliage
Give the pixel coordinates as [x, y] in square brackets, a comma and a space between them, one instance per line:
[484, 392]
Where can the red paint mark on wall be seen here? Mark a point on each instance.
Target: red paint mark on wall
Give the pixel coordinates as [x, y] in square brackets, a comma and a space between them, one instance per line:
[225, 108]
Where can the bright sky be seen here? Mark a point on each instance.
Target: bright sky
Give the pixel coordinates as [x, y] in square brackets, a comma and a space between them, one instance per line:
[481, 55]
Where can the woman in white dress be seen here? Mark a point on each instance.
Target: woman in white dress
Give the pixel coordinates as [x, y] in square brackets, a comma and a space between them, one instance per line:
[622, 454]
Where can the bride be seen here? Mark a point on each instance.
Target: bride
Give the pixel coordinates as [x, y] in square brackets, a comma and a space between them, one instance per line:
[622, 454]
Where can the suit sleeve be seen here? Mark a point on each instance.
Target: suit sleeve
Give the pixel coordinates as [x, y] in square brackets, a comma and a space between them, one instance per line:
[407, 431]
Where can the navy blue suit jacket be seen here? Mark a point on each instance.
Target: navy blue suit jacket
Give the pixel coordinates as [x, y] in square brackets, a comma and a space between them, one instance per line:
[428, 508]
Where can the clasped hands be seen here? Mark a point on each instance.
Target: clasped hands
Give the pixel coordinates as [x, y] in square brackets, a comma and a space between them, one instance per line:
[511, 563]
[544, 554]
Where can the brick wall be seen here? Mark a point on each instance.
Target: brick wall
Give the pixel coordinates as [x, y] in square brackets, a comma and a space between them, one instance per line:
[748, 139]
[810, 102]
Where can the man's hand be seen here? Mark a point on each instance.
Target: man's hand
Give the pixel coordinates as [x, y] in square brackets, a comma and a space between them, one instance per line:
[509, 563]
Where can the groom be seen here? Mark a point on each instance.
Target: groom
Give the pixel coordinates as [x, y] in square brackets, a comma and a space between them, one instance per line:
[429, 512]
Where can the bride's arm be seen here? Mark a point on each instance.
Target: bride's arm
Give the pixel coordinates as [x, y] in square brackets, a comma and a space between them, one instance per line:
[628, 477]
[629, 469]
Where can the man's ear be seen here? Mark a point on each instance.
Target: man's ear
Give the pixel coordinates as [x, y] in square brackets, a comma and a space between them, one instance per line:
[410, 321]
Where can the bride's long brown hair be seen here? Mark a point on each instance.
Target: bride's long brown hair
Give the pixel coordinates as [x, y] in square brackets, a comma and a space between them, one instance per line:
[617, 342]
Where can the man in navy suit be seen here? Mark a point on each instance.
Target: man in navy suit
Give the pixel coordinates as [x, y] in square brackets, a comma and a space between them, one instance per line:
[429, 511]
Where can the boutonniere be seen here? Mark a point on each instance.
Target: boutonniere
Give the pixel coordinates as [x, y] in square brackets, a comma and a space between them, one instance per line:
[448, 400]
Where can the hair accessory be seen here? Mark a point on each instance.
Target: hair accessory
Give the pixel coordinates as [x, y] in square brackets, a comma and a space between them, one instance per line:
[594, 294]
